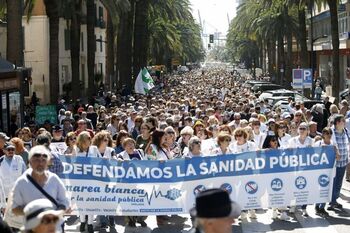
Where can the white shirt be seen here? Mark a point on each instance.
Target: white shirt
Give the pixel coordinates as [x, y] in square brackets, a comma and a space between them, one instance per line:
[111, 129]
[295, 142]
[284, 141]
[92, 152]
[259, 139]
[10, 170]
[25, 192]
[246, 147]
[109, 151]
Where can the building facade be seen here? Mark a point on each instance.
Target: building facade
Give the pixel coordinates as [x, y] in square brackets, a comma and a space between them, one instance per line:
[36, 49]
[322, 42]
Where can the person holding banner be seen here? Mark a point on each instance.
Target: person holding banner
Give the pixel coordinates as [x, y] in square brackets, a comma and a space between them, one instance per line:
[194, 146]
[223, 140]
[240, 145]
[85, 149]
[301, 141]
[131, 153]
[341, 138]
[326, 141]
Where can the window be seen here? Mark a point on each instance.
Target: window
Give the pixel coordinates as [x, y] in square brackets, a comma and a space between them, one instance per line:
[66, 39]
[100, 13]
[82, 41]
[101, 46]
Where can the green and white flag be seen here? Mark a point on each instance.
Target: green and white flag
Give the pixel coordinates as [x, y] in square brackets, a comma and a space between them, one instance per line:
[144, 82]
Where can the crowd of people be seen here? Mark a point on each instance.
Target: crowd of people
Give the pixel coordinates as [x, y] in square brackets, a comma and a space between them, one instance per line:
[200, 113]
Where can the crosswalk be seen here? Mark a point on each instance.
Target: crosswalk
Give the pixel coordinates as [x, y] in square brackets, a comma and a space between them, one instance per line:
[337, 222]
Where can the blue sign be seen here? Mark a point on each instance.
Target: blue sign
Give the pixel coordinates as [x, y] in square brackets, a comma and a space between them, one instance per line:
[251, 187]
[323, 180]
[300, 182]
[302, 78]
[199, 189]
[276, 184]
[226, 187]
[307, 75]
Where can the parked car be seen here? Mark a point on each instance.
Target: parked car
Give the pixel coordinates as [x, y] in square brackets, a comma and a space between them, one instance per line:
[251, 83]
[283, 93]
[262, 87]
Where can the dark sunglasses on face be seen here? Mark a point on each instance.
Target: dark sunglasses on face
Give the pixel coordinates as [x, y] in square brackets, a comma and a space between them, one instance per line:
[10, 149]
[302, 128]
[45, 156]
[73, 139]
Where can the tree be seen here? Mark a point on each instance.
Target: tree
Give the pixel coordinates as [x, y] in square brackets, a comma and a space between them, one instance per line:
[91, 44]
[52, 10]
[75, 23]
[14, 49]
[124, 45]
[333, 7]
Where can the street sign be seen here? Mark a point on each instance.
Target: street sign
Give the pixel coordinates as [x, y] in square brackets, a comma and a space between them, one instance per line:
[297, 78]
[302, 78]
[307, 75]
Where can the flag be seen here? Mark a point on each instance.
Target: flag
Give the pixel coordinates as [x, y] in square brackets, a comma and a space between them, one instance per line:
[144, 82]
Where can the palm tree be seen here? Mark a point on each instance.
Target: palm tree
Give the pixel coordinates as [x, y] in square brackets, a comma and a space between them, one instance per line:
[52, 10]
[75, 32]
[14, 50]
[91, 44]
[124, 45]
[333, 8]
[141, 35]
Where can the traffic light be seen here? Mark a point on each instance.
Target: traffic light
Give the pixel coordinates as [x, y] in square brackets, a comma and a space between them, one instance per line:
[209, 46]
[211, 38]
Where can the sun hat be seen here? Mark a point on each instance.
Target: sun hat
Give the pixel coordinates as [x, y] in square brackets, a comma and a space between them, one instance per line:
[34, 212]
[215, 203]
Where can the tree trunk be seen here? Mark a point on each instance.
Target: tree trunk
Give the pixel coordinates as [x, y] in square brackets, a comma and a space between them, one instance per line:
[141, 35]
[280, 64]
[289, 60]
[75, 48]
[333, 7]
[14, 49]
[110, 61]
[124, 46]
[91, 45]
[302, 39]
[52, 12]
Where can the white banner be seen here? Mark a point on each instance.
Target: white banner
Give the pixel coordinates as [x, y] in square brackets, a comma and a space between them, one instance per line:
[271, 178]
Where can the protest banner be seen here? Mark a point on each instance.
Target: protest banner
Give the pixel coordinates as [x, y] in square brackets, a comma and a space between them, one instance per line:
[262, 179]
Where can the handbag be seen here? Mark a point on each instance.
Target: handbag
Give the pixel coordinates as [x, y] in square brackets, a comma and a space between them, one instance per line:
[48, 196]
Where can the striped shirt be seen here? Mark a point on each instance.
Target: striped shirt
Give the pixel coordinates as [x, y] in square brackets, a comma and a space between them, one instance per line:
[342, 142]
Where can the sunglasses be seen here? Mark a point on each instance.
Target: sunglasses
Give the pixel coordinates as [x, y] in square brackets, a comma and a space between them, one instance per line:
[197, 142]
[282, 127]
[327, 133]
[10, 149]
[37, 156]
[298, 115]
[302, 128]
[106, 140]
[239, 135]
[48, 220]
[227, 140]
[72, 139]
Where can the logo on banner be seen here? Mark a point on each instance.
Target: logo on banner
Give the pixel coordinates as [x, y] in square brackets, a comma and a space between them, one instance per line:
[251, 187]
[198, 189]
[323, 180]
[171, 194]
[226, 187]
[276, 184]
[300, 182]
